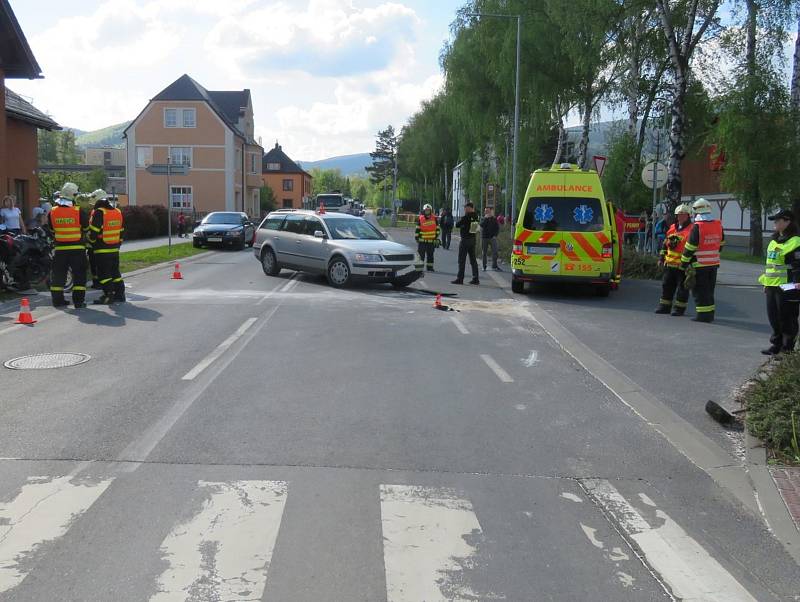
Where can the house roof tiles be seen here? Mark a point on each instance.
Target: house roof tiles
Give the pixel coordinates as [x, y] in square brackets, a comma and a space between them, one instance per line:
[19, 108]
[18, 60]
[277, 156]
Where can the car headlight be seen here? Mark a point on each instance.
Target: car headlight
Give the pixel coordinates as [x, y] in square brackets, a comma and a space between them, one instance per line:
[368, 257]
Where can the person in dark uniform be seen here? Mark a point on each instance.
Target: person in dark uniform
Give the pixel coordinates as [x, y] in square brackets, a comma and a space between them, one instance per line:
[782, 270]
[468, 226]
[105, 234]
[68, 224]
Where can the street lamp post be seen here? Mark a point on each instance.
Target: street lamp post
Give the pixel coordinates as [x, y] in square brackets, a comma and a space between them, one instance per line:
[516, 110]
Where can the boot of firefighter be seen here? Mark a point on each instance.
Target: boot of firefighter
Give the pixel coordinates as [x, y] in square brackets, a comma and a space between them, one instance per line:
[58, 299]
[706, 317]
[788, 344]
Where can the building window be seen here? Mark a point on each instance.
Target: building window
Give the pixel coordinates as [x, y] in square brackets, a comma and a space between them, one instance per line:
[288, 185]
[180, 155]
[180, 197]
[287, 203]
[273, 166]
[144, 156]
[170, 118]
[238, 159]
[253, 161]
[189, 118]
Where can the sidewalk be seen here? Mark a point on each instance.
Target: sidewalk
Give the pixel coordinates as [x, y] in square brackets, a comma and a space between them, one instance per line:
[149, 243]
[787, 480]
[739, 273]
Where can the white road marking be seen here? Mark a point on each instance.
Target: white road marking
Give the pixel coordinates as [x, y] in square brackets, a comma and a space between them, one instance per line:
[501, 374]
[591, 535]
[498, 279]
[531, 360]
[293, 282]
[224, 551]
[521, 407]
[461, 328]
[647, 500]
[691, 573]
[221, 348]
[43, 511]
[427, 535]
[39, 320]
[572, 497]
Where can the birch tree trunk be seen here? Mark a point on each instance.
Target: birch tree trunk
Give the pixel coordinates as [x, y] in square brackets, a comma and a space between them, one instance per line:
[756, 229]
[583, 149]
[562, 134]
[795, 90]
[676, 149]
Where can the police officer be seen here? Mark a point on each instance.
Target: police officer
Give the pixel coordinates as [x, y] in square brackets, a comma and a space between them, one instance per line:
[68, 224]
[670, 259]
[468, 226]
[783, 267]
[701, 253]
[105, 235]
[427, 235]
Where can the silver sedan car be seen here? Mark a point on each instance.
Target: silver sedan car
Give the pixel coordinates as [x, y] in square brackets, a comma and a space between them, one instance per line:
[342, 247]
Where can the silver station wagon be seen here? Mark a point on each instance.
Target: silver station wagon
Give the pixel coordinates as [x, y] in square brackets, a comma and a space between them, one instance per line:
[342, 247]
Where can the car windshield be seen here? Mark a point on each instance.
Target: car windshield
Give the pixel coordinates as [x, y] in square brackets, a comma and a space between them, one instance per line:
[563, 214]
[353, 229]
[223, 218]
[330, 200]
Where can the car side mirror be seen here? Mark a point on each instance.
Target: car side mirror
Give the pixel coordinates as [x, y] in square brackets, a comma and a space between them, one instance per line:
[319, 234]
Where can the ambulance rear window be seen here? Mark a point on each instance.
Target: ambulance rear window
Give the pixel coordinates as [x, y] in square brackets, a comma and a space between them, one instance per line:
[562, 214]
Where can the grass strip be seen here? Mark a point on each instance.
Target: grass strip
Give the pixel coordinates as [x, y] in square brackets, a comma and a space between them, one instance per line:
[743, 257]
[136, 260]
[773, 409]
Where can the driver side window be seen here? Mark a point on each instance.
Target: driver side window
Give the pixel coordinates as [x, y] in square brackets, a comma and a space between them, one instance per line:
[312, 224]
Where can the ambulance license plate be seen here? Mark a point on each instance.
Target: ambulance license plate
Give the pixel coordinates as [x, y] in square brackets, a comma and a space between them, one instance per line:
[542, 249]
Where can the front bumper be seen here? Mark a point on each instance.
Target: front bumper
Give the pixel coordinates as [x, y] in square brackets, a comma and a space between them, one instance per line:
[387, 271]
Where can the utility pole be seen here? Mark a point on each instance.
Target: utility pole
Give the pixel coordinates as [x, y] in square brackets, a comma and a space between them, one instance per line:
[394, 190]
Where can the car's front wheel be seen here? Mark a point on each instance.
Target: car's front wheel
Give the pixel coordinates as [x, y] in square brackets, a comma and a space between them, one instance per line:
[196, 245]
[338, 272]
[269, 263]
[518, 286]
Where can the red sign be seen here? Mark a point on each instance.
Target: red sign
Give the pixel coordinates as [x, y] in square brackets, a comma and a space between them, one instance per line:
[600, 164]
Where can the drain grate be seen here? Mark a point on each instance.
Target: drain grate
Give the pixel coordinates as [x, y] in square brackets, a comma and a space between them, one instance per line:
[43, 361]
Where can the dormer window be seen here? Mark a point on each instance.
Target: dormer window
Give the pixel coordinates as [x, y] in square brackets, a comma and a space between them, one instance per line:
[273, 166]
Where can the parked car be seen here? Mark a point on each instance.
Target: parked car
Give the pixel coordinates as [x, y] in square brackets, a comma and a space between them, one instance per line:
[225, 228]
[342, 247]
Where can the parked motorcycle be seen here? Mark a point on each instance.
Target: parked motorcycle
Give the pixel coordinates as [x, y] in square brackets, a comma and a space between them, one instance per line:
[25, 260]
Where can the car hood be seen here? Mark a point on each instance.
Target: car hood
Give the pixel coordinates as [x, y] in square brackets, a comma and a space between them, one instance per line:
[381, 247]
[216, 227]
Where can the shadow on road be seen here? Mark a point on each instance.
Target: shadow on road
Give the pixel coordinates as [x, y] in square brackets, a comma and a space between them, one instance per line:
[121, 313]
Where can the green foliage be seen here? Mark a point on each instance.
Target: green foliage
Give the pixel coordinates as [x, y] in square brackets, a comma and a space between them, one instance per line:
[773, 403]
[621, 182]
[640, 266]
[327, 180]
[52, 181]
[58, 148]
[108, 136]
[266, 199]
[383, 157]
[135, 260]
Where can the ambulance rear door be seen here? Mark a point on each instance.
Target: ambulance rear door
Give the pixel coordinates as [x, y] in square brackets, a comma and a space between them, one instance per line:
[541, 240]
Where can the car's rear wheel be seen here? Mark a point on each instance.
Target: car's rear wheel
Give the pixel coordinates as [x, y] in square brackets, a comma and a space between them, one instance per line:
[518, 286]
[269, 263]
[338, 272]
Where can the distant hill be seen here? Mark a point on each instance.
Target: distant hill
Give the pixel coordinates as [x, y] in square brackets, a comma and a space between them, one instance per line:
[108, 136]
[349, 165]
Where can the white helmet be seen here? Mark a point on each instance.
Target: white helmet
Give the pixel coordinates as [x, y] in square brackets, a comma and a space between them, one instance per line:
[427, 207]
[701, 206]
[683, 208]
[62, 200]
[99, 194]
[69, 190]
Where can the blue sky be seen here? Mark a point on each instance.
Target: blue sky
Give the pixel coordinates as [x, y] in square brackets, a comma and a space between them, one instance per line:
[325, 75]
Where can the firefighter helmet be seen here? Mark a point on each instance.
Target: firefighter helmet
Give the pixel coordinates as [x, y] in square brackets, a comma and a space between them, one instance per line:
[69, 190]
[99, 194]
[683, 208]
[701, 206]
[427, 207]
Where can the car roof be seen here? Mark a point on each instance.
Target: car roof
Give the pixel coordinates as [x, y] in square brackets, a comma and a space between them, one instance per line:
[332, 214]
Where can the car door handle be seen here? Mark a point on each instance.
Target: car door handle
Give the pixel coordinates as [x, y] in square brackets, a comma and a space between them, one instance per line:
[298, 242]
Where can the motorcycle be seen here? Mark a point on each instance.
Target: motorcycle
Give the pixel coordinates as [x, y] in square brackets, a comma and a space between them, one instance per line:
[25, 260]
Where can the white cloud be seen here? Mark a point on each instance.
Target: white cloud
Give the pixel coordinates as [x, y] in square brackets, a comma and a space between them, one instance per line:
[325, 75]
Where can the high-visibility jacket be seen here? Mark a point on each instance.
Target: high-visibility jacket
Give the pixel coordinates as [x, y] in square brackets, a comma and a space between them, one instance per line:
[704, 243]
[427, 229]
[779, 269]
[674, 244]
[67, 228]
[105, 232]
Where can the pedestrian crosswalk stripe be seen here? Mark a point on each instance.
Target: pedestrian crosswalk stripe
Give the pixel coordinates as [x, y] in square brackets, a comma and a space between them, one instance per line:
[41, 512]
[426, 543]
[223, 552]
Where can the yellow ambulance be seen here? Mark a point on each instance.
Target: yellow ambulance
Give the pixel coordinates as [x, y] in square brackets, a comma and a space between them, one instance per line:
[566, 231]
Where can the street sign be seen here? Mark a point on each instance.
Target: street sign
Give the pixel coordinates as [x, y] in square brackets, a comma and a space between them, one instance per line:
[168, 169]
[600, 164]
[654, 172]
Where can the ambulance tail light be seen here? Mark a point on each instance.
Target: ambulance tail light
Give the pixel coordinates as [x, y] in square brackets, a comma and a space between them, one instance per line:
[517, 249]
[608, 251]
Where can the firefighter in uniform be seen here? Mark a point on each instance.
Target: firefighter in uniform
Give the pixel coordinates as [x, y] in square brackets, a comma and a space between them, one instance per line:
[428, 236]
[670, 258]
[68, 224]
[700, 259]
[105, 235]
[783, 267]
[95, 196]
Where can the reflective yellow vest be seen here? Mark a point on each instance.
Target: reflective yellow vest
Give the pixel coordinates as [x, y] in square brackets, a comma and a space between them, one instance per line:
[776, 271]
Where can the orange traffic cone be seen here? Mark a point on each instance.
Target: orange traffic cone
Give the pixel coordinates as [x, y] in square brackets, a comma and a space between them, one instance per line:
[438, 303]
[176, 275]
[25, 316]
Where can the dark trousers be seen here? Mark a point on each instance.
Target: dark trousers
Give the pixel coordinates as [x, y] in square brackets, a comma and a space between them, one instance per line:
[671, 284]
[109, 277]
[705, 281]
[181, 229]
[63, 261]
[425, 249]
[447, 235]
[782, 315]
[92, 264]
[467, 248]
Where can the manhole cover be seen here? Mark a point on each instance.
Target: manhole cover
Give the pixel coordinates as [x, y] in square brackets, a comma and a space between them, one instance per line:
[42, 361]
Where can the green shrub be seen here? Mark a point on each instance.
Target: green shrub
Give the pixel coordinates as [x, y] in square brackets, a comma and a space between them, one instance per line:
[640, 265]
[773, 403]
[140, 222]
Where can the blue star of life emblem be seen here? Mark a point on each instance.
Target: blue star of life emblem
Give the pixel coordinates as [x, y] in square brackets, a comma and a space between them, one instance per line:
[583, 214]
[543, 213]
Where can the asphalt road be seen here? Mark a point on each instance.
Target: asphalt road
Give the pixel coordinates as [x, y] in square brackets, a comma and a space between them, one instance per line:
[241, 437]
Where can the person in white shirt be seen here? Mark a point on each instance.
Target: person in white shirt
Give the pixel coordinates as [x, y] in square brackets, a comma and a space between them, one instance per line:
[12, 216]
